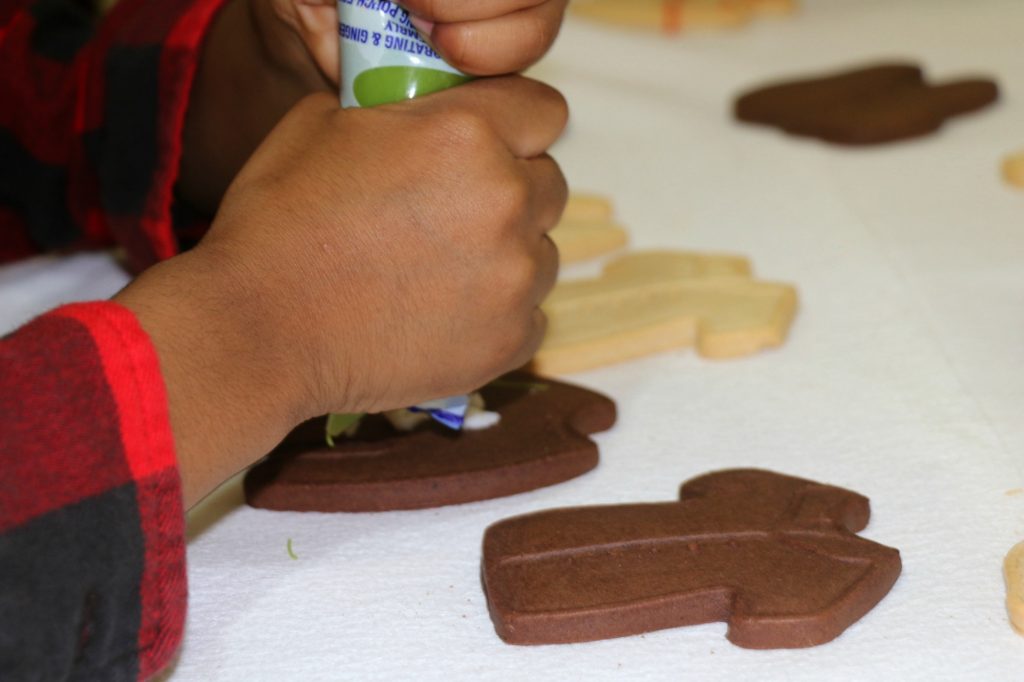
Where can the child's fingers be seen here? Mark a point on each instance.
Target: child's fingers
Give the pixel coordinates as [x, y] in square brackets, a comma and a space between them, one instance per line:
[318, 25]
[505, 43]
[526, 115]
[547, 270]
[549, 192]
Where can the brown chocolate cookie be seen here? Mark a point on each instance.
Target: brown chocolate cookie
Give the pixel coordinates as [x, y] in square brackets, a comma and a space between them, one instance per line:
[541, 440]
[774, 556]
[871, 105]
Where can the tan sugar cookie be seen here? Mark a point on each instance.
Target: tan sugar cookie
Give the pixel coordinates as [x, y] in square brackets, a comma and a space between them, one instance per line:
[583, 207]
[1013, 571]
[587, 230]
[668, 16]
[773, 7]
[652, 302]
[579, 241]
[1013, 169]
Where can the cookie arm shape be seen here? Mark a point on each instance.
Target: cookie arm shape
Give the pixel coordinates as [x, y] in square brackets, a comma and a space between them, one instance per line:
[795, 624]
[749, 318]
[601, 322]
[963, 97]
[587, 208]
[906, 113]
[662, 266]
[579, 240]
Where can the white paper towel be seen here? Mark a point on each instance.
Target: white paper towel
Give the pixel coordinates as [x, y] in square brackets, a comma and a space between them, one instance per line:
[903, 378]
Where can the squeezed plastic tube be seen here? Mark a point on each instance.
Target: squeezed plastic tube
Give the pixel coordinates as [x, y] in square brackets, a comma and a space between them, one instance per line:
[383, 57]
[385, 60]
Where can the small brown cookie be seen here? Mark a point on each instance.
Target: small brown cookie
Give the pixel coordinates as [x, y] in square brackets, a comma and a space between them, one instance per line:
[540, 440]
[774, 556]
[871, 105]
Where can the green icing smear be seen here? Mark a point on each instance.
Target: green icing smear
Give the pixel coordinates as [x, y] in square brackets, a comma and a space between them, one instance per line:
[389, 84]
[337, 424]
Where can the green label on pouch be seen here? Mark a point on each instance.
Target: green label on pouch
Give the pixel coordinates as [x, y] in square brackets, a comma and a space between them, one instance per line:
[388, 84]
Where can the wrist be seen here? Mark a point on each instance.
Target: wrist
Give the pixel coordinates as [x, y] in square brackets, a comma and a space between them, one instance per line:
[233, 389]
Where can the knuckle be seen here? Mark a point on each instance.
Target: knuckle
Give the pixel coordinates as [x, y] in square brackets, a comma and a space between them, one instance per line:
[506, 200]
[465, 128]
[556, 102]
[559, 187]
[522, 272]
[515, 195]
[538, 35]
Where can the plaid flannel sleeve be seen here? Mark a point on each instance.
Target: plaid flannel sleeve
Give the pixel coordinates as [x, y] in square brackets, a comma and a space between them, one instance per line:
[90, 124]
[92, 554]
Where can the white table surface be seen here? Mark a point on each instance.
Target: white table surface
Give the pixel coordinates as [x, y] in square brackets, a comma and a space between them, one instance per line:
[903, 377]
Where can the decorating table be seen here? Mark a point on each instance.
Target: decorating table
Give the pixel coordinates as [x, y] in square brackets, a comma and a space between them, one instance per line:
[902, 377]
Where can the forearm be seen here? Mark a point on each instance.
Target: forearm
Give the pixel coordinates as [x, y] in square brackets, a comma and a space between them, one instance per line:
[252, 71]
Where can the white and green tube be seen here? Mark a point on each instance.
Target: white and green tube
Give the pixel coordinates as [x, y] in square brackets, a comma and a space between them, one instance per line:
[385, 60]
[383, 57]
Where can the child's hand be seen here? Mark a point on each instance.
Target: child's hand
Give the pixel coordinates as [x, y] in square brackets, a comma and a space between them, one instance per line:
[362, 260]
[412, 269]
[261, 56]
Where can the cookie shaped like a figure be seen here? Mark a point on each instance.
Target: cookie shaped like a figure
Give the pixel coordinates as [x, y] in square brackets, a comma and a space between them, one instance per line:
[540, 440]
[652, 302]
[870, 105]
[677, 16]
[776, 557]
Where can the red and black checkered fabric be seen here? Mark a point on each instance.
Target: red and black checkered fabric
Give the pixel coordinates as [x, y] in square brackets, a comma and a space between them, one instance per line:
[90, 124]
[92, 576]
[92, 556]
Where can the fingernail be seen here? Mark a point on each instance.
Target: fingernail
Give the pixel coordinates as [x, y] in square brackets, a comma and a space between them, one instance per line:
[422, 25]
